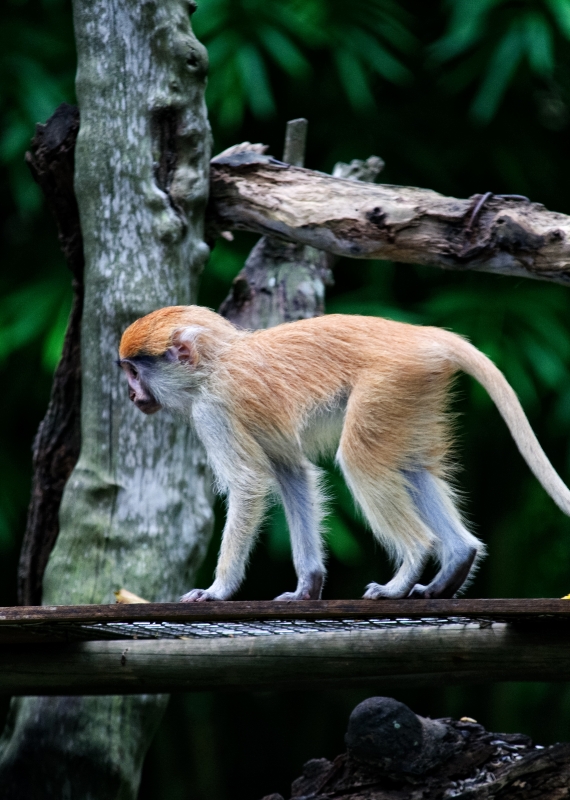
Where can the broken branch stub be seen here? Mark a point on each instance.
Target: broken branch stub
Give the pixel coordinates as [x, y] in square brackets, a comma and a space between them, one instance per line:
[508, 235]
[285, 281]
[280, 281]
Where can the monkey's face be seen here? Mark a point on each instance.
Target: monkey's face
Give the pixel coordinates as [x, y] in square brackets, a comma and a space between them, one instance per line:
[169, 378]
[166, 381]
[139, 391]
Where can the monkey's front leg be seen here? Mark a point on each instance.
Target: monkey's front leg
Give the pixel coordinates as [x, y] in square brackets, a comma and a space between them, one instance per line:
[245, 512]
[299, 488]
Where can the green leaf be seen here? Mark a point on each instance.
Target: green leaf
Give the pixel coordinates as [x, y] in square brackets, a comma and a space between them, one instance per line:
[254, 80]
[466, 27]
[231, 110]
[550, 369]
[539, 45]
[380, 59]
[278, 541]
[501, 69]
[341, 541]
[15, 139]
[53, 342]
[347, 305]
[211, 15]
[561, 11]
[225, 261]
[354, 80]
[221, 48]
[284, 52]
[26, 313]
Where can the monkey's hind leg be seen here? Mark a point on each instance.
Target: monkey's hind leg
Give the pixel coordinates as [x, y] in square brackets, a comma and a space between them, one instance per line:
[395, 522]
[245, 513]
[301, 496]
[457, 550]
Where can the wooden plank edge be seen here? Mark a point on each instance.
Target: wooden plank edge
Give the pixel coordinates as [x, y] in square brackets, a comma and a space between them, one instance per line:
[302, 610]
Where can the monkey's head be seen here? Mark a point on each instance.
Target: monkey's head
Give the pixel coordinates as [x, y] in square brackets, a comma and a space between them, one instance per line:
[168, 353]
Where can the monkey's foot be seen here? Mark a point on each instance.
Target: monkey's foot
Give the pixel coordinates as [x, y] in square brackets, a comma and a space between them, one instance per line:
[419, 592]
[198, 596]
[290, 597]
[430, 592]
[309, 588]
[377, 591]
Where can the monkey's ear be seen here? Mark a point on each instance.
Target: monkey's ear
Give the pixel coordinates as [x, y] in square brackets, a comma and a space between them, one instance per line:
[181, 353]
[183, 350]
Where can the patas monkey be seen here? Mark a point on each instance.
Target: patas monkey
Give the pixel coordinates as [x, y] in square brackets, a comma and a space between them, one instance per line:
[267, 403]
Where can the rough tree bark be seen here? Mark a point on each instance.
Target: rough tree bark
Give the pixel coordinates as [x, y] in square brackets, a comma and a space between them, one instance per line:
[506, 235]
[56, 447]
[136, 510]
[280, 282]
[393, 754]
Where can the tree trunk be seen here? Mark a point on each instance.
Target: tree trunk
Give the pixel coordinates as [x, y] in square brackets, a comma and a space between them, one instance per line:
[491, 233]
[136, 510]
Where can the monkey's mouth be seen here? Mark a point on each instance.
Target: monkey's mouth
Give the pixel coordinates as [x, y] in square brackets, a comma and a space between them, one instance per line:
[148, 406]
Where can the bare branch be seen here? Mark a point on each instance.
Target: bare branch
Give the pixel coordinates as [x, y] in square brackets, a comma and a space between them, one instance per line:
[416, 654]
[503, 234]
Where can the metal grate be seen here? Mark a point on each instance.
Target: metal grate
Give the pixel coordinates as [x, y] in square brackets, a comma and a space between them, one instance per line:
[216, 620]
[66, 631]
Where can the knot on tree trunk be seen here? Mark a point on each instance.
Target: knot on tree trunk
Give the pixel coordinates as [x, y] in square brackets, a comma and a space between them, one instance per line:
[389, 735]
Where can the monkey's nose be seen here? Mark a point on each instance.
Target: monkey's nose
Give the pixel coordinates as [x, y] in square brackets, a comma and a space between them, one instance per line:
[132, 395]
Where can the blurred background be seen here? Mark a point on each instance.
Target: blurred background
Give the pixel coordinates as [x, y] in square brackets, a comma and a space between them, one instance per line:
[459, 96]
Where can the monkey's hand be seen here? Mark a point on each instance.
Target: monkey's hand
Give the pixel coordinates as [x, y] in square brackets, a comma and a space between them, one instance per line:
[198, 596]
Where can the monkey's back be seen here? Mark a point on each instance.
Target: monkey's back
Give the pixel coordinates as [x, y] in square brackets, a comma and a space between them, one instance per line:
[392, 379]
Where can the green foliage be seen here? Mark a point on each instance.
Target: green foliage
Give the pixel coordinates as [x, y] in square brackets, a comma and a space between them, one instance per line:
[36, 75]
[250, 40]
[36, 310]
[488, 41]
[524, 330]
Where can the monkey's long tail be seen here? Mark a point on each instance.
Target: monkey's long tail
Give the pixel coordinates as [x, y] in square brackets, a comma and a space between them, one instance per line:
[475, 363]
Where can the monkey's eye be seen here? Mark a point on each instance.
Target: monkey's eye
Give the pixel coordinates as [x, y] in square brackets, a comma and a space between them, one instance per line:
[133, 371]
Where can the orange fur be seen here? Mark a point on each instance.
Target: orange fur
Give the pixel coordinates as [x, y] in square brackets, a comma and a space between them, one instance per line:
[152, 335]
[394, 375]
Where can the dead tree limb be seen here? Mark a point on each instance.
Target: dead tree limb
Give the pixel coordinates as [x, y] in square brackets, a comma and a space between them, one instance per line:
[504, 234]
[56, 448]
[394, 754]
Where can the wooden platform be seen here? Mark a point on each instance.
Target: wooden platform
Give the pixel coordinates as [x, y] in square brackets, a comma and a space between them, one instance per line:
[119, 649]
